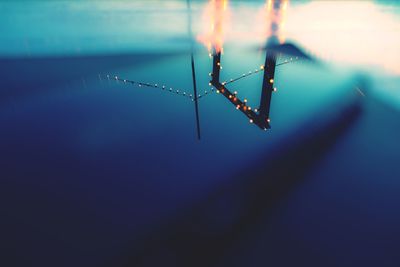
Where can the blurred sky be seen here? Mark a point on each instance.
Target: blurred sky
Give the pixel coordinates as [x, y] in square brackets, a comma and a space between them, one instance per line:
[353, 32]
[361, 34]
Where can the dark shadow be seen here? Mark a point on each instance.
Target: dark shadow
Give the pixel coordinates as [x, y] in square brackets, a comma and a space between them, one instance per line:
[289, 49]
[203, 233]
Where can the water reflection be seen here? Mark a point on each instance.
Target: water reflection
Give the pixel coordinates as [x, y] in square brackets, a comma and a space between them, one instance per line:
[275, 11]
[110, 169]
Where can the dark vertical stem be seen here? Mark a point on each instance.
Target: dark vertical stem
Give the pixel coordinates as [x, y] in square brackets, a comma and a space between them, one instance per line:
[216, 68]
[268, 85]
[195, 99]
[196, 105]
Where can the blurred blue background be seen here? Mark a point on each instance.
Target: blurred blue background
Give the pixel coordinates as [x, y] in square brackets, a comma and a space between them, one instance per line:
[96, 172]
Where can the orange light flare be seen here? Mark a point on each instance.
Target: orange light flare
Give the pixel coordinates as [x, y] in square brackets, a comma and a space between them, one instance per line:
[273, 17]
[215, 21]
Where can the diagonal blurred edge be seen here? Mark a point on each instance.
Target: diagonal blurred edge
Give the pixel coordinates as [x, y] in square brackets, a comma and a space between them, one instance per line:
[199, 235]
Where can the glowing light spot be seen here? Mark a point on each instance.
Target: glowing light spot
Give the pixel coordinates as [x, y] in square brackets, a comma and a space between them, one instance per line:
[215, 20]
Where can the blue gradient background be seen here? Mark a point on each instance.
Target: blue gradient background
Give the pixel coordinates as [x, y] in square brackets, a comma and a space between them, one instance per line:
[99, 173]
